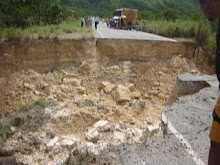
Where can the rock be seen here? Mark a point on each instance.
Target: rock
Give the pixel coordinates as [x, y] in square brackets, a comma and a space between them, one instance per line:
[135, 95]
[138, 105]
[81, 90]
[129, 134]
[101, 106]
[66, 88]
[108, 89]
[102, 125]
[53, 142]
[131, 87]
[149, 120]
[37, 93]
[13, 129]
[47, 111]
[157, 84]
[92, 135]
[137, 135]
[104, 84]
[84, 67]
[63, 114]
[154, 92]
[130, 119]
[27, 85]
[68, 141]
[121, 94]
[114, 69]
[72, 81]
[152, 129]
[119, 137]
[85, 103]
[106, 128]
[48, 77]
[92, 148]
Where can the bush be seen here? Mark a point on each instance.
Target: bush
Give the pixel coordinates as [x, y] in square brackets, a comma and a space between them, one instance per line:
[203, 32]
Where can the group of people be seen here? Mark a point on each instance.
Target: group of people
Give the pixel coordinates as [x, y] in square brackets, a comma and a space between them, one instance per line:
[87, 21]
[123, 24]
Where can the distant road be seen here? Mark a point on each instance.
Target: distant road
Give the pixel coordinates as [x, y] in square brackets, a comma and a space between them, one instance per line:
[105, 32]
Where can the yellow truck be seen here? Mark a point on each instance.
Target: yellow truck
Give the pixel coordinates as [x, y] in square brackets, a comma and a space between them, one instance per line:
[128, 17]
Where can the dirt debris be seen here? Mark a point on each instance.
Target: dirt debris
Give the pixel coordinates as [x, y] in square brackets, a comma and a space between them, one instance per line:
[89, 107]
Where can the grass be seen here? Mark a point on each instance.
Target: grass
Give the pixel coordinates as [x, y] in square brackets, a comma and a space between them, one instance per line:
[42, 32]
[200, 31]
[25, 105]
[29, 117]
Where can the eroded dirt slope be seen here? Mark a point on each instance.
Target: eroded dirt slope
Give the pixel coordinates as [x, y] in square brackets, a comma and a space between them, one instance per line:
[88, 107]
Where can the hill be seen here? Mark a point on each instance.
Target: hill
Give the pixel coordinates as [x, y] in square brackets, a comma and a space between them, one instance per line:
[106, 7]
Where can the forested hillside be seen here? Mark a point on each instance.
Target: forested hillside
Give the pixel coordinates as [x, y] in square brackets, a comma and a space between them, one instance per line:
[106, 7]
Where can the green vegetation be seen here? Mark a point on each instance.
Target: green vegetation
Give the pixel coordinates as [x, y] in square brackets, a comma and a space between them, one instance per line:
[148, 8]
[22, 13]
[202, 31]
[40, 32]
[25, 105]
[5, 132]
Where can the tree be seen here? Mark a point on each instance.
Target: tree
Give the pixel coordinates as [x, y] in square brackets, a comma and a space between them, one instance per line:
[170, 14]
[27, 12]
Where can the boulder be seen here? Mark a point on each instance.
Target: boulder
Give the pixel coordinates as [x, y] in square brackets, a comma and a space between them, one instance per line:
[122, 94]
[92, 135]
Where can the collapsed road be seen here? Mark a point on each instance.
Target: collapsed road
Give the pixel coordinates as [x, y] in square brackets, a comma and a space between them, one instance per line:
[107, 101]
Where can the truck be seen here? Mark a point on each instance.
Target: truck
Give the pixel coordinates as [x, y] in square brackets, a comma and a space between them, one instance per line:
[127, 16]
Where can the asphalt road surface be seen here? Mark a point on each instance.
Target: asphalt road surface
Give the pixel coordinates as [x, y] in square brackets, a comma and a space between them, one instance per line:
[104, 32]
[186, 141]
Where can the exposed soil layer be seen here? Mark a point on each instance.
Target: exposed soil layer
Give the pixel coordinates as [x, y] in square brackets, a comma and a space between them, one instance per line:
[60, 109]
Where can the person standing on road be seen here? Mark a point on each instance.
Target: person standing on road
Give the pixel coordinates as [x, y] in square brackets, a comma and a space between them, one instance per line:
[211, 9]
[96, 23]
[82, 19]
